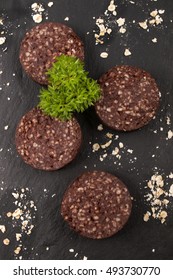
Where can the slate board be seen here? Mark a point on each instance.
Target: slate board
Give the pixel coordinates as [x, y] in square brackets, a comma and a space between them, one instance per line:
[137, 239]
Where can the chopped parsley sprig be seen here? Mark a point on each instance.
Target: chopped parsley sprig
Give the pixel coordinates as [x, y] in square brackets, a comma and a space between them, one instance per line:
[70, 89]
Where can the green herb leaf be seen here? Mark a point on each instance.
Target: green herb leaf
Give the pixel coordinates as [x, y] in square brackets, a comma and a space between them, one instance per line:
[70, 89]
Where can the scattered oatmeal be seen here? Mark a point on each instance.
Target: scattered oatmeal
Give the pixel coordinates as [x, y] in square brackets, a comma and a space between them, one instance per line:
[37, 12]
[112, 19]
[154, 19]
[112, 149]
[22, 218]
[158, 198]
[36, 7]
[17, 213]
[104, 23]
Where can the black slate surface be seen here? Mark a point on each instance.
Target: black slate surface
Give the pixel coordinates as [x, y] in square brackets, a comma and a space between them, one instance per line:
[50, 237]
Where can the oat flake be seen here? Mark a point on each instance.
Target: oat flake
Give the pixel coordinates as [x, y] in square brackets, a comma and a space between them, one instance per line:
[50, 4]
[37, 18]
[127, 52]
[2, 40]
[104, 55]
[143, 24]
[2, 228]
[6, 241]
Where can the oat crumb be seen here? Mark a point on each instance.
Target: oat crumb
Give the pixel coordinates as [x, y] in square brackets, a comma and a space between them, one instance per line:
[50, 4]
[121, 145]
[127, 52]
[154, 40]
[6, 127]
[71, 250]
[66, 19]
[37, 18]
[100, 127]
[15, 195]
[170, 134]
[154, 13]
[9, 214]
[2, 228]
[111, 6]
[115, 151]
[147, 216]
[18, 236]
[17, 250]
[96, 147]
[6, 241]
[2, 40]
[109, 135]
[121, 21]
[104, 55]
[171, 190]
[171, 175]
[106, 145]
[143, 24]
[130, 151]
[122, 30]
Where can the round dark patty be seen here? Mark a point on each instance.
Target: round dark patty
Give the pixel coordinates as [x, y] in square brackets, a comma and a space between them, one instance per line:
[96, 205]
[130, 98]
[47, 143]
[43, 43]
